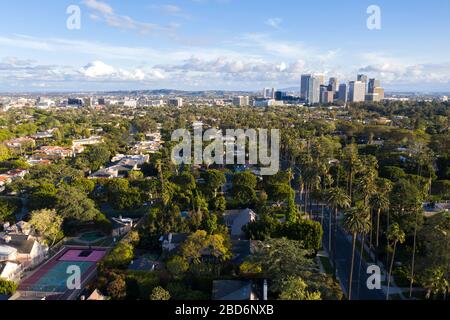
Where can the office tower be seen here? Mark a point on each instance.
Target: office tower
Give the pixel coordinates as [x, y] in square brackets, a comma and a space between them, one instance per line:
[241, 101]
[323, 93]
[176, 102]
[304, 85]
[379, 92]
[365, 79]
[269, 93]
[279, 95]
[373, 83]
[343, 92]
[310, 90]
[357, 91]
[333, 84]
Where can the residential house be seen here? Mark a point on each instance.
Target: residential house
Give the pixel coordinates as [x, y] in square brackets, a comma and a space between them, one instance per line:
[124, 164]
[235, 220]
[10, 271]
[21, 143]
[236, 290]
[53, 153]
[172, 241]
[88, 141]
[28, 251]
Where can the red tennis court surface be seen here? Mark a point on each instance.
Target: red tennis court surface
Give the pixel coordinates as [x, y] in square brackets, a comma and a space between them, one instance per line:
[83, 255]
[51, 276]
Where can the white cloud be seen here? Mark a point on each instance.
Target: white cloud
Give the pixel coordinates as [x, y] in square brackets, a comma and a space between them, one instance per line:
[100, 70]
[274, 22]
[97, 69]
[99, 6]
[104, 12]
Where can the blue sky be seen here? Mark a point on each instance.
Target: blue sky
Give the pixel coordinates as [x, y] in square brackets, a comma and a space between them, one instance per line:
[221, 44]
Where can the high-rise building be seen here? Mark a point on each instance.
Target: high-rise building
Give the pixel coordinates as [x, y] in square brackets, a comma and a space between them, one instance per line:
[279, 95]
[365, 79]
[373, 83]
[269, 93]
[241, 101]
[343, 92]
[333, 84]
[314, 90]
[304, 85]
[357, 91]
[320, 78]
[323, 94]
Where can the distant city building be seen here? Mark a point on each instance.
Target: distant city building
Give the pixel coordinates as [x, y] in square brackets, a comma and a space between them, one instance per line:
[304, 85]
[323, 93]
[130, 103]
[75, 102]
[363, 78]
[269, 93]
[310, 90]
[267, 103]
[357, 91]
[373, 83]
[377, 95]
[279, 95]
[241, 101]
[101, 101]
[333, 84]
[176, 102]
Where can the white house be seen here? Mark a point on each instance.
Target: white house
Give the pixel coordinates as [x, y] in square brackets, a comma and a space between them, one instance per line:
[10, 271]
[7, 253]
[235, 220]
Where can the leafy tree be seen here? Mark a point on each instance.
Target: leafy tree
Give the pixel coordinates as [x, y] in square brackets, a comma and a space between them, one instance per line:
[280, 192]
[294, 288]
[4, 153]
[160, 294]
[261, 229]
[308, 232]
[75, 207]
[177, 266]
[436, 283]
[215, 180]
[43, 196]
[117, 288]
[200, 242]
[7, 210]
[7, 287]
[48, 224]
[244, 185]
[120, 257]
[97, 156]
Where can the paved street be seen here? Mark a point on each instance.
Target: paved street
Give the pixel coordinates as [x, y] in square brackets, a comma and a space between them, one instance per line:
[343, 262]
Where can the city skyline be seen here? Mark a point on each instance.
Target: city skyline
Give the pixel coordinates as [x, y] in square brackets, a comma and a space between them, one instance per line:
[219, 44]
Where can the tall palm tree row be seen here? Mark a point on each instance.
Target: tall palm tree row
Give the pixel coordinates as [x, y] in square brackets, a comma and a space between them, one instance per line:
[356, 221]
[337, 199]
[395, 235]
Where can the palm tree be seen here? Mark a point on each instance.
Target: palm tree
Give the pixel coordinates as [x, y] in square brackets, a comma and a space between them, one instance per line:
[337, 199]
[356, 221]
[395, 235]
[380, 202]
[436, 283]
[413, 262]
[351, 164]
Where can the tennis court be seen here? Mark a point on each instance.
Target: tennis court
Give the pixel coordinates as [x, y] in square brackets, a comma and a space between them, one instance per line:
[51, 277]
